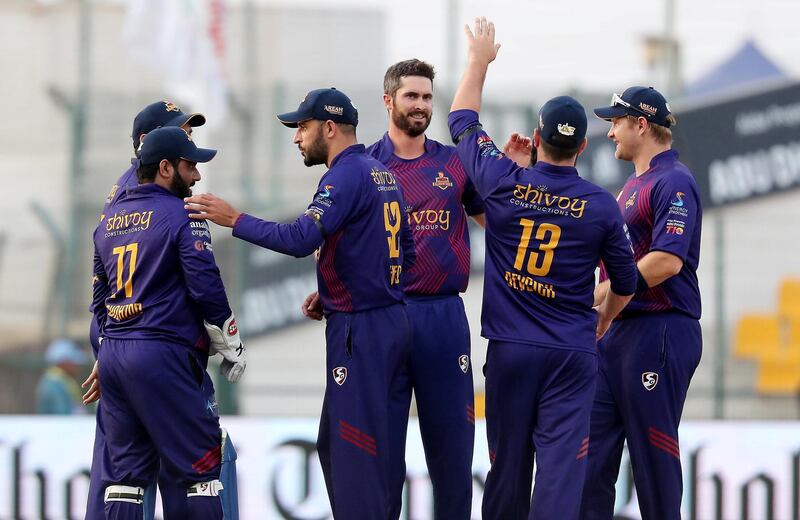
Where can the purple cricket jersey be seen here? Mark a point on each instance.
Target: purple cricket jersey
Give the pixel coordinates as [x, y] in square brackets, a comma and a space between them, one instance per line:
[357, 217]
[126, 180]
[662, 210]
[155, 277]
[437, 192]
[546, 231]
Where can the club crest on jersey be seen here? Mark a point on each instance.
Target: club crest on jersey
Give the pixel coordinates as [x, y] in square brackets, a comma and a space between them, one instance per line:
[566, 129]
[442, 181]
[339, 375]
[649, 380]
[169, 106]
[463, 363]
[631, 200]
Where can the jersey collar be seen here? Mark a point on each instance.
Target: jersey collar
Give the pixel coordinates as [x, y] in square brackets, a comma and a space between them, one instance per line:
[556, 170]
[350, 150]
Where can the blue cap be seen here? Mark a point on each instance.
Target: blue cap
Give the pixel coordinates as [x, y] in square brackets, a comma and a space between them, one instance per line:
[65, 351]
[562, 122]
[323, 104]
[172, 143]
[644, 102]
[162, 113]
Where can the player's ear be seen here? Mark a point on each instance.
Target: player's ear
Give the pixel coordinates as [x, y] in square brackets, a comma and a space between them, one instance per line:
[330, 129]
[537, 139]
[582, 147]
[388, 102]
[164, 168]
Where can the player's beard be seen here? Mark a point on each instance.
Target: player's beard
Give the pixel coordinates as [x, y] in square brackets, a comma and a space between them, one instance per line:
[317, 151]
[178, 186]
[405, 122]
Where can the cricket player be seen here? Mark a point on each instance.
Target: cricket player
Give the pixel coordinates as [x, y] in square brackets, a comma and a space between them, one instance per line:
[154, 115]
[652, 349]
[161, 308]
[438, 197]
[357, 216]
[546, 231]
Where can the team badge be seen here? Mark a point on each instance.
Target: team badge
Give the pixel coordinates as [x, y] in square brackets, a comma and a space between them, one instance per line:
[566, 129]
[631, 200]
[339, 375]
[169, 106]
[463, 363]
[442, 181]
[649, 380]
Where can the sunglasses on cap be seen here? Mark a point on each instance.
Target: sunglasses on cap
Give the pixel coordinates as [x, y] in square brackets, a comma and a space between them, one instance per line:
[617, 101]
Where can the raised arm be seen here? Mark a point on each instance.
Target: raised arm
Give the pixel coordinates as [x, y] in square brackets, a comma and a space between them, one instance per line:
[481, 51]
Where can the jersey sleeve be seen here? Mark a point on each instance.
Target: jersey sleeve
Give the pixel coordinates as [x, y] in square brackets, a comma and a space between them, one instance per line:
[616, 254]
[299, 238]
[201, 274]
[100, 290]
[676, 206]
[484, 163]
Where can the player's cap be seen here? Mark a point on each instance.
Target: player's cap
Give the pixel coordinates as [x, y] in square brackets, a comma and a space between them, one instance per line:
[172, 143]
[323, 104]
[65, 351]
[162, 113]
[644, 102]
[562, 122]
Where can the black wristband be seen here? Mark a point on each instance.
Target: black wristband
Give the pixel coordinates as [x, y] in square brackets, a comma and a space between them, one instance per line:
[641, 283]
[469, 131]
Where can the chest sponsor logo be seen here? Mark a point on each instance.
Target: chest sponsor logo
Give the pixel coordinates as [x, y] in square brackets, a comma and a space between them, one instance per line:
[463, 363]
[123, 223]
[442, 181]
[535, 198]
[385, 180]
[339, 375]
[429, 220]
[649, 380]
[631, 200]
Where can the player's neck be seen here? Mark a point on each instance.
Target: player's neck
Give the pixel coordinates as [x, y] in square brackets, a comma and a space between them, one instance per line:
[405, 146]
[337, 146]
[645, 156]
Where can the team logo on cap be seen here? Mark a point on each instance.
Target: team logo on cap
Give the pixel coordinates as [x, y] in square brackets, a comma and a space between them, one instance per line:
[649, 380]
[650, 109]
[442, 181]
[339, 375]
[169, 106]
[337, 111]
[463, 363]
[566, 129]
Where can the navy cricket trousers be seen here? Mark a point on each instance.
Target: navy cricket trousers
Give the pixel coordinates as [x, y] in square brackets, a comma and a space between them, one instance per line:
[440, 372]
[156, 409]
[538, 404]
[646, 364]
[366, 376]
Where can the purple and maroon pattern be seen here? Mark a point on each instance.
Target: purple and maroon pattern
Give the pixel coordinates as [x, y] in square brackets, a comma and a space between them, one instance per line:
[438, 196]
[662, 212]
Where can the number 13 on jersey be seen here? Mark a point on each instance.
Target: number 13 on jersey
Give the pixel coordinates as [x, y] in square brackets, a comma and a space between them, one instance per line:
[545, 251]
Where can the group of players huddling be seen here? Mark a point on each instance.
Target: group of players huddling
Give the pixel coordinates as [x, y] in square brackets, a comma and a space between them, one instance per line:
[574, 368]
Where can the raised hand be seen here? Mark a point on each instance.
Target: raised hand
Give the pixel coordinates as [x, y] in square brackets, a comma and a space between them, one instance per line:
[481, 47]
[518, 148]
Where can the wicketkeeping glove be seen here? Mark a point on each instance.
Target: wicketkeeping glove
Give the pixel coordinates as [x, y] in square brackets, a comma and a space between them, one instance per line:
[227, 343]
